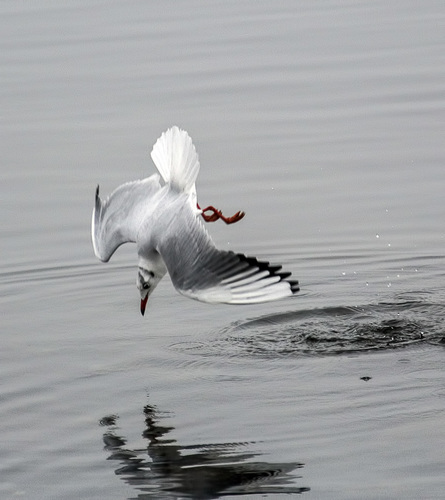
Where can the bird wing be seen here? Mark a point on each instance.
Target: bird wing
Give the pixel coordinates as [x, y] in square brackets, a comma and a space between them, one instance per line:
[202, 272]
[117, 219]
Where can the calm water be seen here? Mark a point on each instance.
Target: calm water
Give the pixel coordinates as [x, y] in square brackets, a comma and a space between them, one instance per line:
[324, 121]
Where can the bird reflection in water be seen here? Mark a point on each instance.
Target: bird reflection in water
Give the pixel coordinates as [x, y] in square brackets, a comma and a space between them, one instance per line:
[204, 471]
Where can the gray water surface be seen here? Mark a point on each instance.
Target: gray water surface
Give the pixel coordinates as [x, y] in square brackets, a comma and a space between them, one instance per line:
[324, 121]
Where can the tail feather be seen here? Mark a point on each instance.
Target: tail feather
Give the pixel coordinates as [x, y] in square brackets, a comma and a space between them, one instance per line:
[176, 159]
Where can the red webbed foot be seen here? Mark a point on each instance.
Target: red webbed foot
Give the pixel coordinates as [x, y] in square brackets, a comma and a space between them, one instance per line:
[217, 214]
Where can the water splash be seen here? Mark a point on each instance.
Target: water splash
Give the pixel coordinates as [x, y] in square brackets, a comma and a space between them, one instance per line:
[330, 331]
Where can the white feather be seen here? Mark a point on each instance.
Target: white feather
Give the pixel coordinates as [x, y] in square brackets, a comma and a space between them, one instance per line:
[176, 159]
[170, 237]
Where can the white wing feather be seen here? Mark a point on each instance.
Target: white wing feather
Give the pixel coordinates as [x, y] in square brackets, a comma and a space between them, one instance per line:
[202, 272]
[117, 219]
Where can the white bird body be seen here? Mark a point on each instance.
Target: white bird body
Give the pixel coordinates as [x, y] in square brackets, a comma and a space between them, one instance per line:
[165, 223]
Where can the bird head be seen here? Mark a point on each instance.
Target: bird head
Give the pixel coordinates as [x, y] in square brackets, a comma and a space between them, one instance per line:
[146, 282]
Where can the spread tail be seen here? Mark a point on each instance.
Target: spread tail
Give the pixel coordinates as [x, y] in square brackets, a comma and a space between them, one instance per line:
[176, 159]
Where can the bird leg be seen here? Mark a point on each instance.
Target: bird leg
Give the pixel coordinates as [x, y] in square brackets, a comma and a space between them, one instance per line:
[217, 214]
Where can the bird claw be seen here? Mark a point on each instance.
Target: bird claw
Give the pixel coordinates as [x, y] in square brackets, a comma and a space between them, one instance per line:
[217, 214]
[235, 218]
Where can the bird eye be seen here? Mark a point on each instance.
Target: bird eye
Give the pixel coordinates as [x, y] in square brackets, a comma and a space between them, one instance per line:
[145, 286]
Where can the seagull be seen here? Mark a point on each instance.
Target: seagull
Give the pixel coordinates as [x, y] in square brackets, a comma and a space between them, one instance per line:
[164, 220]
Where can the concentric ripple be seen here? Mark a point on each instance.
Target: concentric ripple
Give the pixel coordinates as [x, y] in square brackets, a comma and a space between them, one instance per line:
[329, 331]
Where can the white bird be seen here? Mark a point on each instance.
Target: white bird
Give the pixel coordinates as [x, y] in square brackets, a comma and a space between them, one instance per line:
[164, 222]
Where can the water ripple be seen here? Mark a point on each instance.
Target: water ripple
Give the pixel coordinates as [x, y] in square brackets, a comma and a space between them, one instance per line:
[329, 331]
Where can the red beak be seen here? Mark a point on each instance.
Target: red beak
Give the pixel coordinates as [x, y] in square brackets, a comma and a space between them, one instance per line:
[144, 304]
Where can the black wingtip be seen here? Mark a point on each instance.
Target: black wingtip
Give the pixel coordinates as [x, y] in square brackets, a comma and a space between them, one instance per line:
[97, 191]
[284, 274]
[274, 270]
